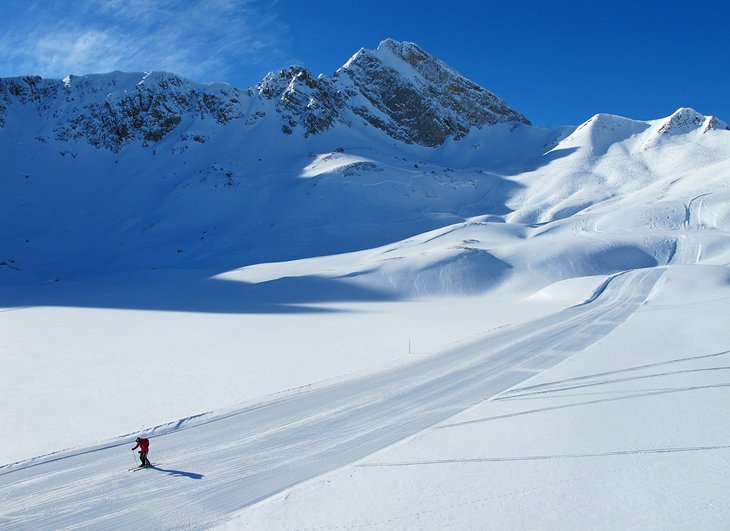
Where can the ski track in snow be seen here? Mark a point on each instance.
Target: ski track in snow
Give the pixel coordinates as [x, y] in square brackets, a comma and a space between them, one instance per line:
[232, 461]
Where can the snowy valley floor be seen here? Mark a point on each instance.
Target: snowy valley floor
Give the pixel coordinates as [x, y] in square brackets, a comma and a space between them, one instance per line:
[610, 414]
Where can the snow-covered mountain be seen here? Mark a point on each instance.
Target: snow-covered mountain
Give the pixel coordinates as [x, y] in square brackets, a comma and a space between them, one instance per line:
[138, 171]
[228, 161]
[170, 248]
[123, 172]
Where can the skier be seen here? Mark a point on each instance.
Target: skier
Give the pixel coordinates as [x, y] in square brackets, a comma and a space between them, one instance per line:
[144, 447]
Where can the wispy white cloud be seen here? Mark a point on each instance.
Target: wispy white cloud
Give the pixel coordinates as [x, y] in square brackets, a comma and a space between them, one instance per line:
[205, 40]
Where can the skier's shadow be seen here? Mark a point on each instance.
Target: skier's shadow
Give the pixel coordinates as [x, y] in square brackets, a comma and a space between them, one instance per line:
[191, 475]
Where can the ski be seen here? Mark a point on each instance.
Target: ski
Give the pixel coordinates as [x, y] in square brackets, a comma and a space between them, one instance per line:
[153, 465]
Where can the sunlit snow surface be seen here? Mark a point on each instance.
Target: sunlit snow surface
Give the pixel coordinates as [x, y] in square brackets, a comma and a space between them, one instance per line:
[523, 329]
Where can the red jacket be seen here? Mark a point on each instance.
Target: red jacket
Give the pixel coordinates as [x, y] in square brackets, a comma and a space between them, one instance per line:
[143, 445]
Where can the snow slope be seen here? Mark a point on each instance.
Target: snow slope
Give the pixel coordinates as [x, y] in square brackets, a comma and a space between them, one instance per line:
[250, 454]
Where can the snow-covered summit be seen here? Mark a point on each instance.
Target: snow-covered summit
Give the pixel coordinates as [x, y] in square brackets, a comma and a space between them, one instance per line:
[686, 120]
[405, 57]
[602, 132]
[597, 134]
[683, 123]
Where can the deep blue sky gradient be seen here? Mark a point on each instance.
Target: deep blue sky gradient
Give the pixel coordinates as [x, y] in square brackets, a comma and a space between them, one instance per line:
[556, 62]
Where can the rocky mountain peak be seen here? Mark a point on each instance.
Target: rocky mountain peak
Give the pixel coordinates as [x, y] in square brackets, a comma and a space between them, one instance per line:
[417, 98]
[685, 120]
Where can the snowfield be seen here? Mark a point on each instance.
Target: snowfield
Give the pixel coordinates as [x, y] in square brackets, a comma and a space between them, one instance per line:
[600, 414]
[523, 328]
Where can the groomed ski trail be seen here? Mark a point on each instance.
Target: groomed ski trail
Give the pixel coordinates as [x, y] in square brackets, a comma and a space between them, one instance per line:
[222, 464]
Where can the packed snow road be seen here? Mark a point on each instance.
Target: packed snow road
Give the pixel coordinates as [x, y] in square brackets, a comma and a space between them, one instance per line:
[212, 466]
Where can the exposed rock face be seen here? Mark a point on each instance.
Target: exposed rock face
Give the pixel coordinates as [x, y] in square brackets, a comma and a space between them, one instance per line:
[417, 98]
[112, 110]
[397, 88]
[26, 90]
[302, 100]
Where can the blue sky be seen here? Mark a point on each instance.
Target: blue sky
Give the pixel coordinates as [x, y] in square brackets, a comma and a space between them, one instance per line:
[556, 62]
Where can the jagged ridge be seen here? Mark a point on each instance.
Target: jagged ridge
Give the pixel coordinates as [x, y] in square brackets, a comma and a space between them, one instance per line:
[398, 88]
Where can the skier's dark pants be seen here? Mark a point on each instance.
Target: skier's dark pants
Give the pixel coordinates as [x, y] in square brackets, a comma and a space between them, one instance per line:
[143, 458]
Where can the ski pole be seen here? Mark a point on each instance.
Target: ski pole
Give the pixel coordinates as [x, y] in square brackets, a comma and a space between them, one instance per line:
[134, 458]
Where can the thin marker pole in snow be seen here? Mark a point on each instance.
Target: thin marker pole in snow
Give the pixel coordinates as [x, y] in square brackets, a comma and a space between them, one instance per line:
[409, 347]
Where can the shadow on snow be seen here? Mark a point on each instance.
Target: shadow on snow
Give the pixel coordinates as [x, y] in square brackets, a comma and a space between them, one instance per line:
[191, 475]
[161, 292]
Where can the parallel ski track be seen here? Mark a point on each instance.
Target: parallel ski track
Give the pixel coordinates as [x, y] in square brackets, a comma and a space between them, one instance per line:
[229, 462]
